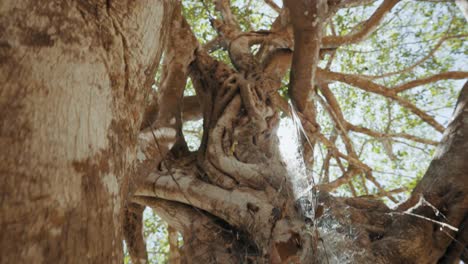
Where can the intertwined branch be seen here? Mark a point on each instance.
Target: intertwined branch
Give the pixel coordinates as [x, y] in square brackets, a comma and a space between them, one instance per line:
[239, 110]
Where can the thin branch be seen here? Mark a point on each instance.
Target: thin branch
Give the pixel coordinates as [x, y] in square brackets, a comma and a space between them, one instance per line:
[213, 44]
[367, 28]
[353, 3]
[376, 134]
[273, 6]
[339, 121]
[224, 7]
[345, 178]
[369, 86]
[417, 63]
[372, 179]
[337, 117]
[353, 190]
[333, 53]
[326, 163]
[434, 78]
[380, 194]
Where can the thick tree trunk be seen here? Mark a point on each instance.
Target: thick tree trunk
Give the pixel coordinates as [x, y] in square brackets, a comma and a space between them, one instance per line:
[73, 78]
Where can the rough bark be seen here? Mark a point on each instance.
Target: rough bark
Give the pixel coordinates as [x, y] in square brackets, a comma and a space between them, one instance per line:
[74, 77]
[234, 200]
[240, 162]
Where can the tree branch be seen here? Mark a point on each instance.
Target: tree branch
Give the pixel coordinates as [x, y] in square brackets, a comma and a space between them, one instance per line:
[376, 134]
[273, 6]
[181, 184]
[224, 7]
[431, 79]
[307, 20]
[367, 28]
[353, 3]
[369, 86]
[191, 110]
[418, 62]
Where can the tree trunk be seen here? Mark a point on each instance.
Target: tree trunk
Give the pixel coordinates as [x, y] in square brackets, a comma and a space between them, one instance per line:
[74, 76]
